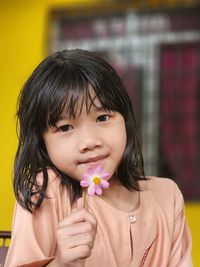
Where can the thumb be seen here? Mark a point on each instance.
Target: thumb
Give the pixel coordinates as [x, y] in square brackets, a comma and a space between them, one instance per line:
[79, 203]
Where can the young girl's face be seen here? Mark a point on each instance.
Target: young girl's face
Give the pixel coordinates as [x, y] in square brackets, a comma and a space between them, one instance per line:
[97, 137]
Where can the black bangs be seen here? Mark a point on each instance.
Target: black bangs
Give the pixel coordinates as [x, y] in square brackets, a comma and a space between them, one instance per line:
[68, 93]
[72, 98]
[74, 86]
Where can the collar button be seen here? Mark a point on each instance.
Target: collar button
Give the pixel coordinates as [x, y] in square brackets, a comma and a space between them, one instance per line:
[132, 218]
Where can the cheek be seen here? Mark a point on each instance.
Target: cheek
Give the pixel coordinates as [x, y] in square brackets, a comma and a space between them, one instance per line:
[54, 154]
[122, 134]
[119, 139]
[61, 159]
[56, 151]
[122, 142]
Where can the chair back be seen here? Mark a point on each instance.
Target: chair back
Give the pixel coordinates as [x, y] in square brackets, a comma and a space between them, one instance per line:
[4, 235]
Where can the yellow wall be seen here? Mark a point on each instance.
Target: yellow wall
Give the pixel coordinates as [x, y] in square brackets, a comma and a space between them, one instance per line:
[22, 34]
[22, 47]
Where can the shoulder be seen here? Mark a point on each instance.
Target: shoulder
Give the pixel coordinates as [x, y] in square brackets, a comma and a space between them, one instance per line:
[53, 182]
[56, 194]
[160, 184]
[165, 191]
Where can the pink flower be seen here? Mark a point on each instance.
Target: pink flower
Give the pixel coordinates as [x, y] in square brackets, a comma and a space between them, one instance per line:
[95, 179]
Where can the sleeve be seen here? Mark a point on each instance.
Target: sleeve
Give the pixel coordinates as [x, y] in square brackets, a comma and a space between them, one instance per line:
[180, 255]
[33, 242]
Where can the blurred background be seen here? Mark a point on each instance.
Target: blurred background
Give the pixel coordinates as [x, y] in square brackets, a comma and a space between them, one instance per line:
[155, 47]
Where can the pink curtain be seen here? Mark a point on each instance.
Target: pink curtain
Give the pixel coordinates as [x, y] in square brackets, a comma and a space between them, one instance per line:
[180, 115]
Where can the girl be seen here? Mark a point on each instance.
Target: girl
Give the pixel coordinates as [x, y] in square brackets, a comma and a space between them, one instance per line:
[75, 116]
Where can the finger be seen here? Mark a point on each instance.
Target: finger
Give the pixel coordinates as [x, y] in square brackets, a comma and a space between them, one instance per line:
[77, 263]
[84, 251]
[78, 253]
[77, 216]
[79, 203]
[78, 240]
[79, 228]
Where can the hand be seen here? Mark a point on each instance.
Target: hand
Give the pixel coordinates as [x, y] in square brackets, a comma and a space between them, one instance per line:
[75, 235]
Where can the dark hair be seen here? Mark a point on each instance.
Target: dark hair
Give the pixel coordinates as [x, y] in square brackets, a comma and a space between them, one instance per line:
[60, 79]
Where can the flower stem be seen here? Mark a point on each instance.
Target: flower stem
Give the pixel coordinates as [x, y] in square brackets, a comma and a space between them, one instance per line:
[84, 195]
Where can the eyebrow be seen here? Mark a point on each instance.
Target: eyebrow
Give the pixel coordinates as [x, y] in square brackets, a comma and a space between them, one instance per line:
[61, 118]
[94, 109]
[99, 108]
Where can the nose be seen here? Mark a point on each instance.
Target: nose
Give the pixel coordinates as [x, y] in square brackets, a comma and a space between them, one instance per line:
[89, 140]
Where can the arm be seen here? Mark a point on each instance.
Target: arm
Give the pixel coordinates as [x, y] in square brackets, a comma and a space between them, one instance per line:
[52, 236]
[33, 236]
[180, 255]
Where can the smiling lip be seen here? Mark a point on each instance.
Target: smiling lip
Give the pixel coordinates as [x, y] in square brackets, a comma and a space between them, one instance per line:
[93, 160]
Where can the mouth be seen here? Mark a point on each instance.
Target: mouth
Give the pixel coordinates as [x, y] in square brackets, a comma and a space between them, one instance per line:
[93, 160]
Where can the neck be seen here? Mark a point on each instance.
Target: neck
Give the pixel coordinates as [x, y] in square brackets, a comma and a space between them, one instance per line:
[120, 197]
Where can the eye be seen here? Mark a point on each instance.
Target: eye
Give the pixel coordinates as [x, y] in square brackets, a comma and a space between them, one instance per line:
[65, 128]
[103, 118]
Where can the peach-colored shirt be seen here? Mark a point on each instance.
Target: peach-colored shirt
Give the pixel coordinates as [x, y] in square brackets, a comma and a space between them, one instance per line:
[154, 235]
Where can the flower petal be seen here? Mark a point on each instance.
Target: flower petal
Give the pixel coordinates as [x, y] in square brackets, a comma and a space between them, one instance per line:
[98, 190]
[85, 176]
[91, 171]
[105, 175]
[93, 185]
[85, 183]
[98, 169]
[91, 189]
[104, 184]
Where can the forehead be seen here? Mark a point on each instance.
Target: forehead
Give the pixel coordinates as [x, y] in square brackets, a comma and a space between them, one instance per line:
[74, 100]
[85, 103]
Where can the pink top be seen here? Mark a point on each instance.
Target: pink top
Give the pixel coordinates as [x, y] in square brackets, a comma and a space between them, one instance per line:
[154, 235]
